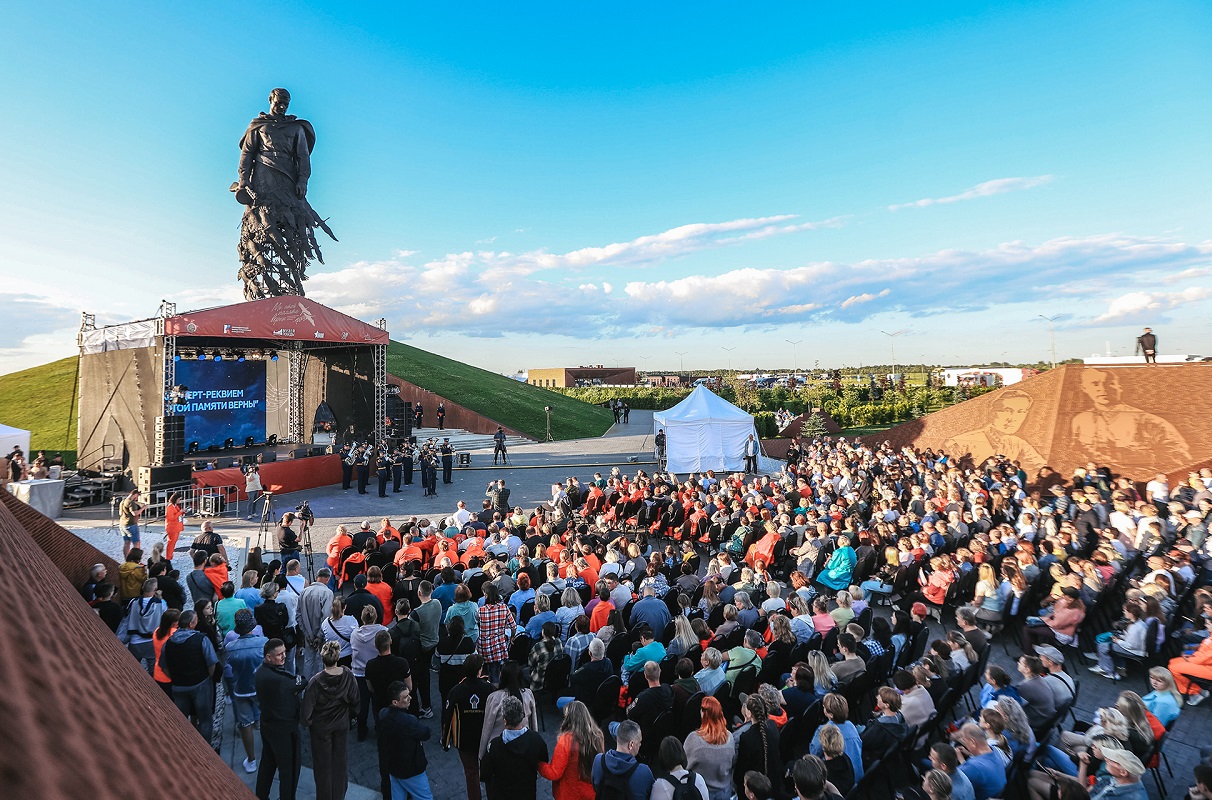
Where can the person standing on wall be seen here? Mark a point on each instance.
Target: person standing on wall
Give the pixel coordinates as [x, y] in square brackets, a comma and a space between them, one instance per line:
[1146, 344]
[441, 416]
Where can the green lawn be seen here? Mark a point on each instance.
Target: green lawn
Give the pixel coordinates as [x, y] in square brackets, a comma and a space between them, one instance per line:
[866, 430]
[40, 400]
[509, 402]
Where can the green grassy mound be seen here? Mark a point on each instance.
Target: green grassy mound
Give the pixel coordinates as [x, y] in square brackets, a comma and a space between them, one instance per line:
[41, 400]
[512, 403]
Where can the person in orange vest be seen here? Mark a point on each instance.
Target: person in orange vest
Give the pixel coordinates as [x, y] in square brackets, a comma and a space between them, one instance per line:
[336, 545]
[174, 524]
[388, 531]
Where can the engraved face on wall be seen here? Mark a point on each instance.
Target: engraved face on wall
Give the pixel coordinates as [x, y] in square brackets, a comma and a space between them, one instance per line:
[1010, 414]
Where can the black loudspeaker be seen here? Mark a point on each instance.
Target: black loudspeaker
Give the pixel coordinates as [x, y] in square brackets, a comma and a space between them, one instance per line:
[162, 477]
[247, 461]
[169, 444]
[300, 452]
[395, 415]
[266, 457]
[405, 420]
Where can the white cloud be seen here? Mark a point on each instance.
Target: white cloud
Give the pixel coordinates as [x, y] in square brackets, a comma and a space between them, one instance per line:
[986, 189]
[865, 297]
[1149, 306]
[408, 253]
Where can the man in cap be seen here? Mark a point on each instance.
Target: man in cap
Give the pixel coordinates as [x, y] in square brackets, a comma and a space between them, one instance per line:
[447, 460]
[1060, 682]
[244, 656]
[1124, 781]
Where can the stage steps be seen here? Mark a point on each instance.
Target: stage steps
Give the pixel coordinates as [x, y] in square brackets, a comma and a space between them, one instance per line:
[463, 441]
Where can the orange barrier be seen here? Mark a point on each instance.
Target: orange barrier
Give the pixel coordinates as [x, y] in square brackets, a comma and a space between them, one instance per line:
[279, 477]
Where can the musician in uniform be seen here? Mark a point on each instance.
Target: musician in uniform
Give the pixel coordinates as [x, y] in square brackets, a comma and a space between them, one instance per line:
[384, 467]
[363, 468]
[409, 454]
[347, 465]
[447, 460]
[397, 470]
[441, 416]
[418, 415]
[498, 446]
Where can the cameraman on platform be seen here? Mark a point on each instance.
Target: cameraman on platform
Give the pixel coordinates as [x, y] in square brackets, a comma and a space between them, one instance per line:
[288, 540]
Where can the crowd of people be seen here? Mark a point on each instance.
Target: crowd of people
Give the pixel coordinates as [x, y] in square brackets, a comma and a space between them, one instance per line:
[17, 467]
[719, 636]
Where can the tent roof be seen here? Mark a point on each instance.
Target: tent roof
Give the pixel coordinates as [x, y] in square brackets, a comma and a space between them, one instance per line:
[703, 405]
[7, 430]
[276, 318]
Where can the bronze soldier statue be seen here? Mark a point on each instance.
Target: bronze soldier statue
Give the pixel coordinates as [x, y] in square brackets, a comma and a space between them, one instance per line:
[278, 232]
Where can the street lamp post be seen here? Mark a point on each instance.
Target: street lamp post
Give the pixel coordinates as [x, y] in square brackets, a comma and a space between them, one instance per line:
[729, 350]
[1051, 334]
[795, 363]
[892, 343]
[681, 363]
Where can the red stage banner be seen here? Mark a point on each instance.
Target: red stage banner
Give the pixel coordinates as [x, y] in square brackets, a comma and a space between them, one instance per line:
[279, 477]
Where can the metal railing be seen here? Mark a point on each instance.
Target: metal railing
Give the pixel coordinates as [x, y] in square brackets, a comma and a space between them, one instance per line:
[198, 501]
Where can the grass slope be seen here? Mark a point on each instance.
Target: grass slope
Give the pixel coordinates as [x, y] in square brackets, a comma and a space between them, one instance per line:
[509, 402]
[40, 401]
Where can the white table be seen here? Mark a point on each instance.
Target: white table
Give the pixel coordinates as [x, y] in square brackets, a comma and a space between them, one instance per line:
[45, 496]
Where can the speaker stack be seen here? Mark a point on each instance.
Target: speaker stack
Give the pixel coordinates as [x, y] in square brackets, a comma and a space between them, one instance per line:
[170, 440]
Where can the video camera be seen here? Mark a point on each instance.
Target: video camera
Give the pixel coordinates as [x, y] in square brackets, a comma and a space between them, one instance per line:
[305, 513]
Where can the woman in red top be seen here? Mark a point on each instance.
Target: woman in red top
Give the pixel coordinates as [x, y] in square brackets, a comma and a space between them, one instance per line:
[174, 523]
[168, 626]
[381, 590]
[571, 768]
[600, 615]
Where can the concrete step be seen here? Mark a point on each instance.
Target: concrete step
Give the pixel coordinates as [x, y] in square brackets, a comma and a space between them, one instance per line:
[463, 440]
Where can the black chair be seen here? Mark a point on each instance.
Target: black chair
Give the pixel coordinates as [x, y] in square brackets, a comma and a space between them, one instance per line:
[626, 612]
[605, 706]
[527, 612]
[519, 649]
[618, 648]
[692, 714]
[1157, 756]
[716, 618]
[863, 620]
[654, 732]
[555, 683]
[669, 665]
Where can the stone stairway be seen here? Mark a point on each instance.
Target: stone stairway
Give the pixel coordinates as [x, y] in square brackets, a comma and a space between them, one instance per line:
[463, 441]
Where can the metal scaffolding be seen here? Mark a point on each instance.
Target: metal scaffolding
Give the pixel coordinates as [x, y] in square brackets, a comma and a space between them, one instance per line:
[298, 363]
[380, 390]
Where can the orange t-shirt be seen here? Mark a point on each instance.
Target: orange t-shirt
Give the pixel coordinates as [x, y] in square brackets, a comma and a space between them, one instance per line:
[157, 646]
[383, 592]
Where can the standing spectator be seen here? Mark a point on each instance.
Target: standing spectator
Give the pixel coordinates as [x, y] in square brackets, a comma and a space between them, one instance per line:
[228, 605]
[142, 618]
[245, 656]
[710, 751]
[208, 542]
[463, 720]
[166, 628]
[496, 630]
[329, 703]
[363, 648]
[252, 488]
[402, 749]
[544, 652]
[618, 771]
[189, 660]
[428, 615]
[174, 524]
[315, 602]
[510, 768]
[758, 746]
[579, 743]
[129, 511]
[513, 684]
[196, 581]
[131, 575]
[383, 670]
[339, 627]
[672, 759]
[278, 697]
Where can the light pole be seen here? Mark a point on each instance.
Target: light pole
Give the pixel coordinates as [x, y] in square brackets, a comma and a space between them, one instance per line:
[729, 350]
[795, 363]
[681, 363]
[892, 343]
[1052, 334]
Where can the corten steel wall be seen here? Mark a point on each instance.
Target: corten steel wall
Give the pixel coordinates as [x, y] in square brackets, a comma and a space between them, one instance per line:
[457, 416]
[1138, 420]
[80, 717]
[121, 394]
[70, 554]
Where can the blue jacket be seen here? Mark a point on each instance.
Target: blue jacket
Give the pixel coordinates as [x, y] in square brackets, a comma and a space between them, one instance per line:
[639, 785]
[244, 655]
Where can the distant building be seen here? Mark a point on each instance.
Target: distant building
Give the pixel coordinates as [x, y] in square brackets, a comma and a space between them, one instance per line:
[985, 376]
[565, 377]
[667, 381]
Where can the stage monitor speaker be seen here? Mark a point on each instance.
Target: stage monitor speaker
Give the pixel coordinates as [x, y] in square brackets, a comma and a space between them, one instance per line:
[266, 457]
[160, 477]
[212, 505]
[247, 460]
[300, 452]
[405, 429]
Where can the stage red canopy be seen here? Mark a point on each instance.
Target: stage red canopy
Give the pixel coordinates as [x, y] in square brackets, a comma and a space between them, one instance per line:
[290, 318]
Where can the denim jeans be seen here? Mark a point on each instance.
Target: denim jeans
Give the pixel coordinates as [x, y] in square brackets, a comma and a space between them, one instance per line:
[414, 788]
[197, 703]
[1106, 655]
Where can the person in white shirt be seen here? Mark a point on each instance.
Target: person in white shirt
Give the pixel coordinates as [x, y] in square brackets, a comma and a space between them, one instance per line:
[462, 516]
[1157, 491]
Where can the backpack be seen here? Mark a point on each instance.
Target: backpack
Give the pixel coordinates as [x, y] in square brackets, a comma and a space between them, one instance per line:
[615, 787]
[685, 789]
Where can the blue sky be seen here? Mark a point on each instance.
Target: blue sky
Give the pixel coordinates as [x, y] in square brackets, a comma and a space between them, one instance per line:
[549, 184]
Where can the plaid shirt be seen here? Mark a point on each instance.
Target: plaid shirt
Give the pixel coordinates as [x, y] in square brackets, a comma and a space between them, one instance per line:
[496, 631]
[577, 645]
[541, 655]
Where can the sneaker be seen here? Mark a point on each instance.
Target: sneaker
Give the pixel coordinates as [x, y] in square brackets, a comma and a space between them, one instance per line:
[1196, 699]
[1091, 656]
[1097, 670]
[427, 713]
[250, 765]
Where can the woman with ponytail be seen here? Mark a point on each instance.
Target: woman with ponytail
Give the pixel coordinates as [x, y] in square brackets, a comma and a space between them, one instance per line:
[758, 744]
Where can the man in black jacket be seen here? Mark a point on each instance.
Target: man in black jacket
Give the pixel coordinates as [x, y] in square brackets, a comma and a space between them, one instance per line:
[401, 748]
[1146, 344]
[510, 768]
[583, 684]
[278, 696]
[887, 729]
[463, 720]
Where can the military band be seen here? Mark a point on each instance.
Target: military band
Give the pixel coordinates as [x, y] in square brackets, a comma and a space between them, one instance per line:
[397, 465]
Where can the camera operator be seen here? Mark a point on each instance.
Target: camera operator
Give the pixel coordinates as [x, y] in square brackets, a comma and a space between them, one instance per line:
[288, 540]
[252, 487]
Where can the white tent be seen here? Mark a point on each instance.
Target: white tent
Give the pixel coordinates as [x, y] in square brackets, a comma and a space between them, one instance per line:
[703, 432]
[13, 437]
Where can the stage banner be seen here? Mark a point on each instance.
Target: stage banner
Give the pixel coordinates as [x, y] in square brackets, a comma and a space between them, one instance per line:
[225, 400]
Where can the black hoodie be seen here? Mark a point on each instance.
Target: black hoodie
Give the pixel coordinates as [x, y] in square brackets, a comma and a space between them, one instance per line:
[330, 701]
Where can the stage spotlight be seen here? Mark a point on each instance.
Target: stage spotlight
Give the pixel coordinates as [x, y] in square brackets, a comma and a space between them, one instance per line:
[201, 356]
[273, 355]
[272, 440]
[229, 443]
[218, 356]
[176, 356]
[250, 442]
[240, 358]
[193, 447]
